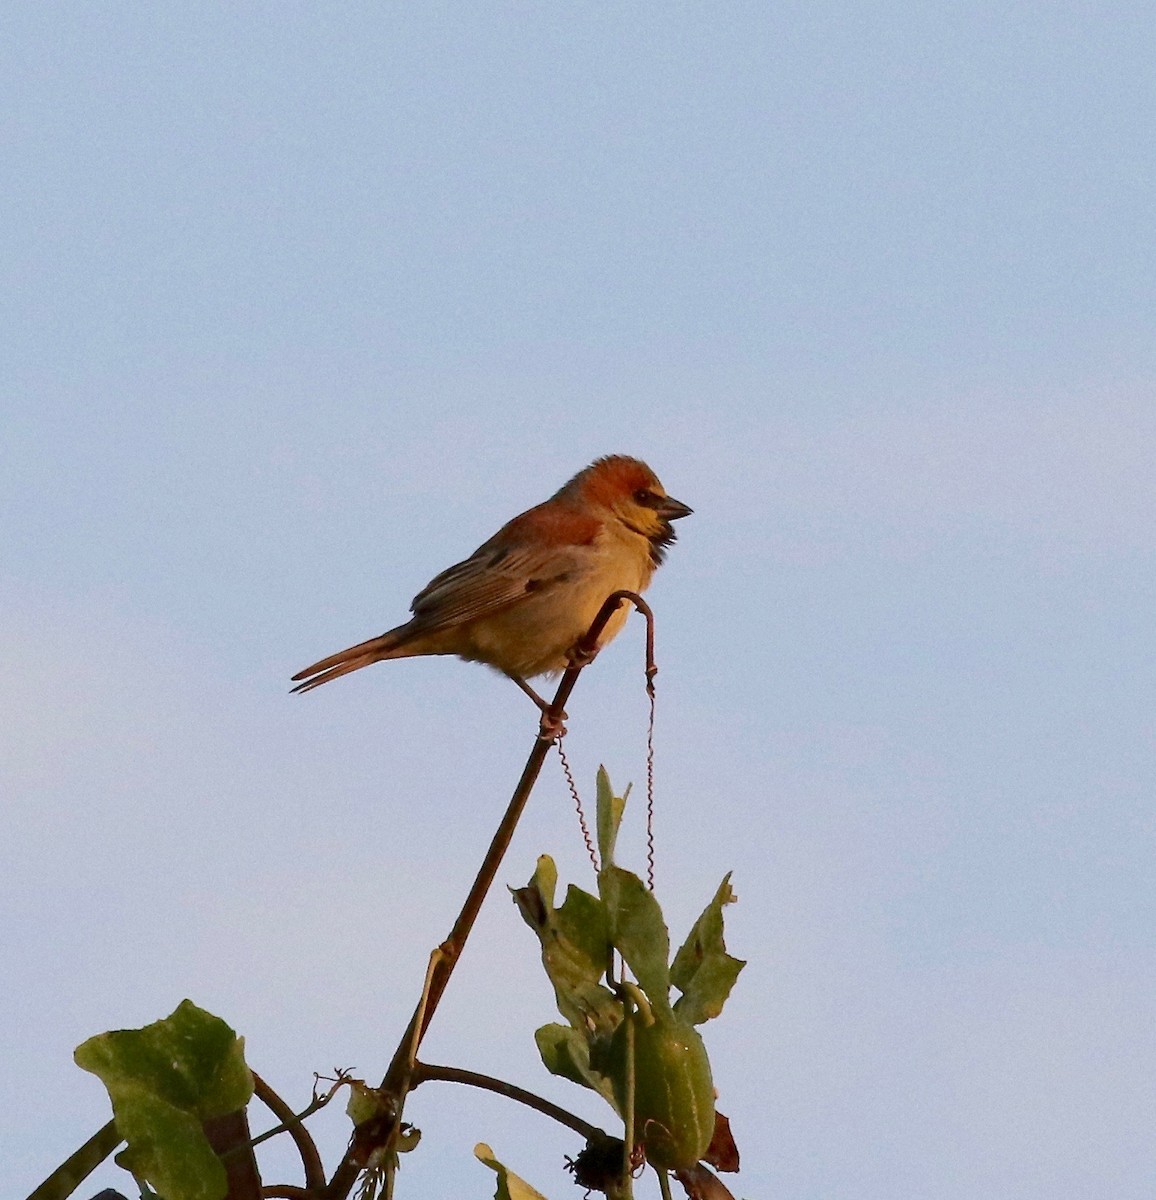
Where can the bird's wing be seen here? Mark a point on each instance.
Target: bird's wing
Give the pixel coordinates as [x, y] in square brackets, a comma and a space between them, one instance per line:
[539, 549]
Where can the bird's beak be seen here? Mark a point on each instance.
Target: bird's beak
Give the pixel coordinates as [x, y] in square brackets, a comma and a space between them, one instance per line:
[672, 509]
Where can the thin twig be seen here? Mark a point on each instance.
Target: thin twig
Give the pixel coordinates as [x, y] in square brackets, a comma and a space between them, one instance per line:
[378, 1133]
[424, 1072]
[291, 1124]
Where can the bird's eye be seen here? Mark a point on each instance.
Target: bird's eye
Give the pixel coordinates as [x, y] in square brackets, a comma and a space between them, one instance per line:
[645, 496]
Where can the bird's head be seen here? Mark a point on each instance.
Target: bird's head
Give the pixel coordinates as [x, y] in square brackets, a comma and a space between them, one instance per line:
[628, 490]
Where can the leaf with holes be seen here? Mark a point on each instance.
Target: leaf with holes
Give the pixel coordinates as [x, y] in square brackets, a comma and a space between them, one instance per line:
[575, 948]
[702, 970]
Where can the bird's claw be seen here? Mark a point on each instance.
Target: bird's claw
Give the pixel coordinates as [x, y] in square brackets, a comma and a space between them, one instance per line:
[551, 728]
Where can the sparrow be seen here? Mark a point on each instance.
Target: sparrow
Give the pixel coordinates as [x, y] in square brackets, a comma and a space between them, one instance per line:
[522, 600]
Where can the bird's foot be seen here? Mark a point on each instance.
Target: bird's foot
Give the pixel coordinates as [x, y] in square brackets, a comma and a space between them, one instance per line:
[551, 727]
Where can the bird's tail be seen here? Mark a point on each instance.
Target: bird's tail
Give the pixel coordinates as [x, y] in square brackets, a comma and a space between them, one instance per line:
[388, 645]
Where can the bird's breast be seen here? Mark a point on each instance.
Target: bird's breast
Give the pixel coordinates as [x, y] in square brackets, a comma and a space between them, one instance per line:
[534, 635]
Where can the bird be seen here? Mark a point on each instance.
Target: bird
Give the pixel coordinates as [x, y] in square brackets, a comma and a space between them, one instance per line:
[523, 599]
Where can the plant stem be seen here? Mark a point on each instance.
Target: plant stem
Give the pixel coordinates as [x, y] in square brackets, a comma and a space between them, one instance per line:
[291, 1122]
[424, 1072]
[628, 1115]
[398, 1077]
[79, 1164]
[232, 1144]
[453, 945]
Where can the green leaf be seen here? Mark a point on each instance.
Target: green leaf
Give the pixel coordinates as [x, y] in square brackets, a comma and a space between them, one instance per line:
[609, 816]
[169, 1149]
[566, 1053]
[702, 969]
[575, 944]
[510, 1186]
[638, 932]
[164, 1080]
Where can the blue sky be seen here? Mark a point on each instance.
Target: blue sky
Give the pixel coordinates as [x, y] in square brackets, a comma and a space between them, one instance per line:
[303, 303]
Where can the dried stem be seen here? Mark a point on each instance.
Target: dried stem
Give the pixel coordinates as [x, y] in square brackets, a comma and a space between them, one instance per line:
[231, 1142]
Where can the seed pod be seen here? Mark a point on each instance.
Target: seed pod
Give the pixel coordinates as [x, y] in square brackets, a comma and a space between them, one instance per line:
[673, 1092]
